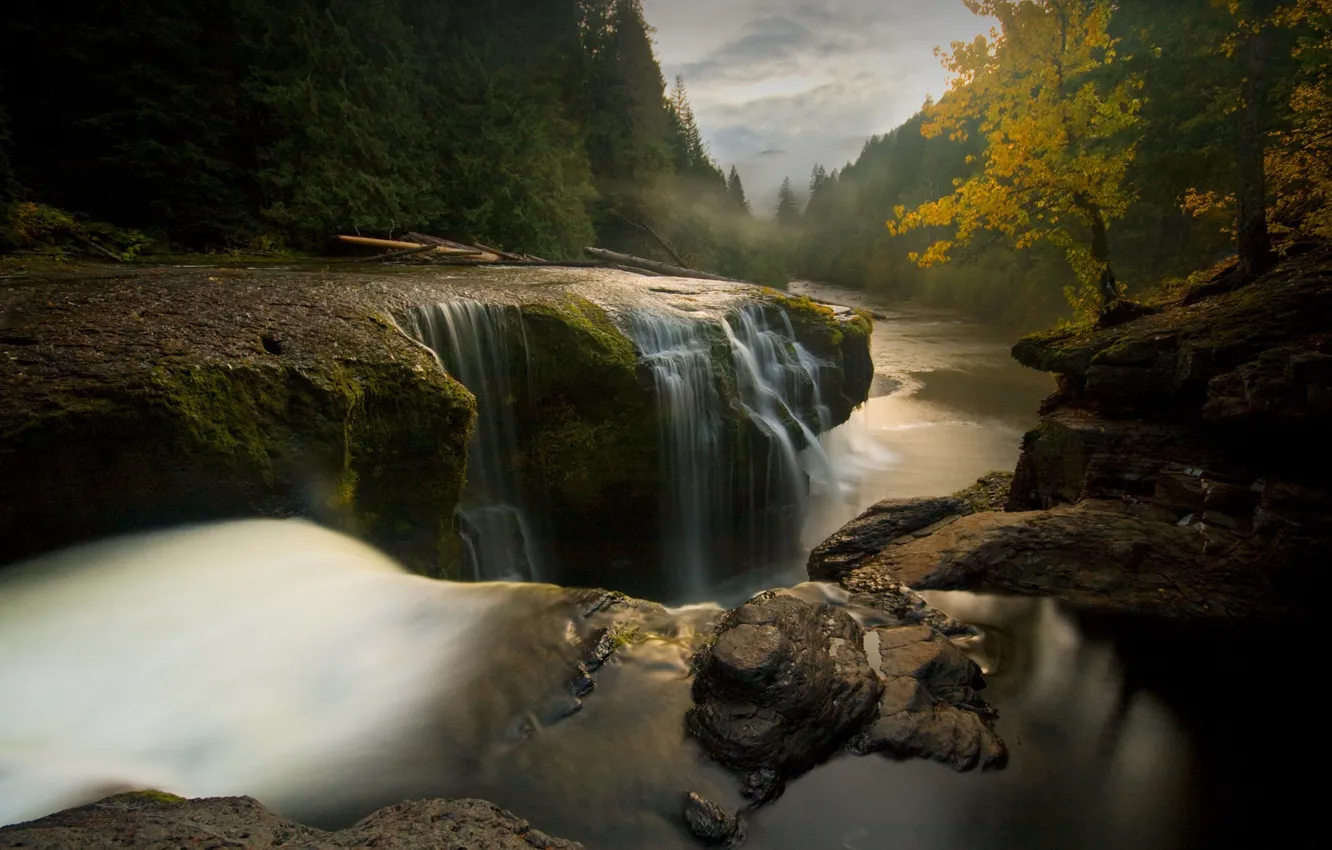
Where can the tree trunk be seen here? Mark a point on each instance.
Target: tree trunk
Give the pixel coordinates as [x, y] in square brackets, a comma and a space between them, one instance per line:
[1106, 285]
[1254, 244]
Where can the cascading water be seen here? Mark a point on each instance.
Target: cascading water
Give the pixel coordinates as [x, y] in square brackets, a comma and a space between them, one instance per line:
[733, 497]
[777, 381]
[679, 353]
[472, 341]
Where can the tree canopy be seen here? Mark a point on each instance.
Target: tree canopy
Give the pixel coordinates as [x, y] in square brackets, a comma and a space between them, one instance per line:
[1060, 127]
[538, 125]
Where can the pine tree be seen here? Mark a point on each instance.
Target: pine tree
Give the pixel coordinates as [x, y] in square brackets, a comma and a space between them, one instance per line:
[690, 152]
[788, 206]
[736, 190]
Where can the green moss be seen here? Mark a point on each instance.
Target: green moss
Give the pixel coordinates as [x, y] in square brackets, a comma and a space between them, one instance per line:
[392, 439]
[146, 797]
[587, 421]
[815, 324]
[989, 493]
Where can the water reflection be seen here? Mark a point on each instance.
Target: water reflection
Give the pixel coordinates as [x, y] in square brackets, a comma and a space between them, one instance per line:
[1092, 765]
[949, 404]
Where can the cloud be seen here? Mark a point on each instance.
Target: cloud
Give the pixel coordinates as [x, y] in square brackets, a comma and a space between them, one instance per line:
[770, 42]
[809, 77]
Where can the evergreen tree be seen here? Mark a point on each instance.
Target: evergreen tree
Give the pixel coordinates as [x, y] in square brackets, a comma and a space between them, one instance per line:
[688, 141]
[736, 190]
[788, 206]
[819, 184]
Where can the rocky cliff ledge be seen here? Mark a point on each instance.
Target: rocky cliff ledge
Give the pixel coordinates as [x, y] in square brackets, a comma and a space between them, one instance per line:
[155, 821]
[148, 397]
[1181, 471]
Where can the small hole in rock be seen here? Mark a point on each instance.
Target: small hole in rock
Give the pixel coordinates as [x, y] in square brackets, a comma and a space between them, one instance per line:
[272, 345]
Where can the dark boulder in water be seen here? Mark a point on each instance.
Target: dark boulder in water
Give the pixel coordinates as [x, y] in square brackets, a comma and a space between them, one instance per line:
[153, 821]
[710, 823]
[930, 706]
[784, 684]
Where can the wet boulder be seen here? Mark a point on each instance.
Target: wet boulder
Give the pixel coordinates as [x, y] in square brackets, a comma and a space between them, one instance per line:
[930, 705]
[784, 684]
[710, 823]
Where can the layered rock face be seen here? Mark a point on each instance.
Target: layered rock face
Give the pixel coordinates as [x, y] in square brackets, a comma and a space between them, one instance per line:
[160, 397]
[1181, 471]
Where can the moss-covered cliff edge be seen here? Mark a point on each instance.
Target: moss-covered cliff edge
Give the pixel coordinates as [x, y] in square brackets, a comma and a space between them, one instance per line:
[151, 398]
[141, 398]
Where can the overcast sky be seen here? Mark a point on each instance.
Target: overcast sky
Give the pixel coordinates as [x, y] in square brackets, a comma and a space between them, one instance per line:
[812, 78]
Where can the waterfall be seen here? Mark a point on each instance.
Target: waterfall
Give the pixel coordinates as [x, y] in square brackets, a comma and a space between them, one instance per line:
[679, 353]
[778, 381]
[777, 384]
[472, 341]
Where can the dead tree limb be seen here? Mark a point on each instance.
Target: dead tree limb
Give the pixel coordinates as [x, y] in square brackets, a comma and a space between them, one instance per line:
[654, 266]
[666, 246]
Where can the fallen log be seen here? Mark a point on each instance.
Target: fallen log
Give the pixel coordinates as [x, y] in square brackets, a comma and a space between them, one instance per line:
[654, 266]
[503, 255]
[380, 243]
[405, 252]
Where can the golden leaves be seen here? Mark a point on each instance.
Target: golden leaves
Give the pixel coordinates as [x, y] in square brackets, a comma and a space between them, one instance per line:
[1055, 135]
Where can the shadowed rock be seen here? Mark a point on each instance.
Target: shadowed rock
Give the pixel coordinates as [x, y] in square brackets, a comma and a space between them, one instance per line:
[930, 707]
[876, 528]
[783, 686]
[710, 823]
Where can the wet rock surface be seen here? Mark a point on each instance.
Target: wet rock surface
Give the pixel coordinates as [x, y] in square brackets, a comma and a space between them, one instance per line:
[784, 684]
[787, 682]
[878, 527]
[710, 823]
[931, 705]
[1180, 472]
[150, 821]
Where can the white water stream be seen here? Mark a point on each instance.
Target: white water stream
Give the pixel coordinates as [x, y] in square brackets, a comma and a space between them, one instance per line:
[260, 657]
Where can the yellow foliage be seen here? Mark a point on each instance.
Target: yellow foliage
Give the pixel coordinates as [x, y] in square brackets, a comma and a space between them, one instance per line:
[1060, 131]
[1299, 164]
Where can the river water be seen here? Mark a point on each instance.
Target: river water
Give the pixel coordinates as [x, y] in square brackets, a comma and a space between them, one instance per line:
[308, 671]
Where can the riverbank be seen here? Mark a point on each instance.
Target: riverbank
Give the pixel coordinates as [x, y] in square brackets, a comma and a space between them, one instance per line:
[1179, 472]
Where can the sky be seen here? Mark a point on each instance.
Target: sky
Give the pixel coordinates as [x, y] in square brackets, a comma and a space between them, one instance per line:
[811, 79]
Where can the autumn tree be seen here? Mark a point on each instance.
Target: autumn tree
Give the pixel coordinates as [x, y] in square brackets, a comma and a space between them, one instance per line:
[1300, 163]
[1060, 118]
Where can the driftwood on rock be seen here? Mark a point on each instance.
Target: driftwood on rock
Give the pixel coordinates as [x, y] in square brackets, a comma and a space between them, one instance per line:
[654, 266]
[406, 252]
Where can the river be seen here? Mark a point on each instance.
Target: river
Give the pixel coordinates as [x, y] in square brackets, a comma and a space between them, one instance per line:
[294, 666]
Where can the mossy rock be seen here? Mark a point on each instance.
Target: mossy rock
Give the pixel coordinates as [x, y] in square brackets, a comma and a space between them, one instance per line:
[588, 431]
[113, 424]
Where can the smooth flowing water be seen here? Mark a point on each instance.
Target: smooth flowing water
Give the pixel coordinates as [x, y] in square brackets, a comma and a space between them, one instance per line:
[678, 350]
[276, 659]
[474, 343]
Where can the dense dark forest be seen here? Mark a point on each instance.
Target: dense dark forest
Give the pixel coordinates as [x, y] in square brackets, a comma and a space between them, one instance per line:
[542, 126]
[1173, 134]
